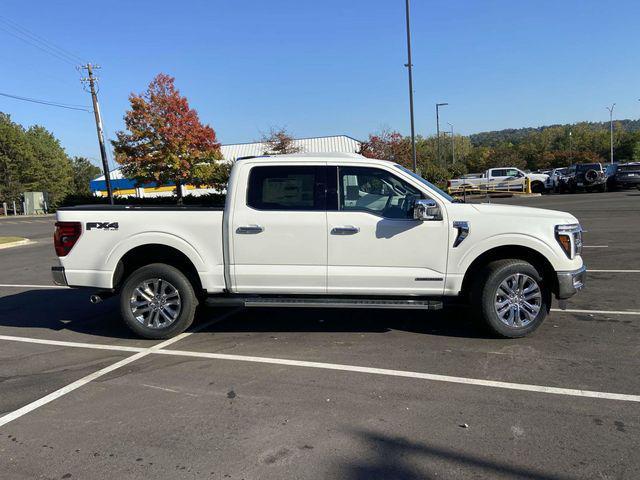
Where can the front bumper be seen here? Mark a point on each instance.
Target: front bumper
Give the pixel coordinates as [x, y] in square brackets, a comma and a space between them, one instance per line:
[627, 182]
[59, 278]
[570, 283]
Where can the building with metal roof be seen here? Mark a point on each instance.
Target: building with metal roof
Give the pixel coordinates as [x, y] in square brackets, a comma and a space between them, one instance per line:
[127, 187]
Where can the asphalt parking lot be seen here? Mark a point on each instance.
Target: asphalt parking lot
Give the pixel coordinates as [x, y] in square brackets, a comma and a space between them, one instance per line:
[272, 394]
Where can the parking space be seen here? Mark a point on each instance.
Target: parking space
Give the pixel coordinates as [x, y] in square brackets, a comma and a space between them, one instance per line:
[272, 393]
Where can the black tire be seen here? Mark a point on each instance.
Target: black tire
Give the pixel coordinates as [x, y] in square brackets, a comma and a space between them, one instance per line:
[537, 187]
[173, 279]
[485, 293]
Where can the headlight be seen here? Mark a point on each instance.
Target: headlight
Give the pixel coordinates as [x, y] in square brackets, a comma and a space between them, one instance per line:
[569, 238]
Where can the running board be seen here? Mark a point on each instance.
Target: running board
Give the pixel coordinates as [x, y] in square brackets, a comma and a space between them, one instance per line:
[326, 303]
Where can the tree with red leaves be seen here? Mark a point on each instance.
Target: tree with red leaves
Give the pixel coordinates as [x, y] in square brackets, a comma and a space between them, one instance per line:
[388, 145]
[166, 142]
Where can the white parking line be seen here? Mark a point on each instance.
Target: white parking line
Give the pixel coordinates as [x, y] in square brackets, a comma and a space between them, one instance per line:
[89, 378]
[604, 312]
[7, 285]
[94, 346]
[159, 350]
[9, 417]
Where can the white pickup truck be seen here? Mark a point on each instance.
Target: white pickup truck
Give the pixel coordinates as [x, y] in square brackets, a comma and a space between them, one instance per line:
[502, 178]
[322, 230]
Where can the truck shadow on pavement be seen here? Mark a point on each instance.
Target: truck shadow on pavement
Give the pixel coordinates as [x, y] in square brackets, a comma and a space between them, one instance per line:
[71, 310]
[453, 322]
[62, 310]
[399, 458]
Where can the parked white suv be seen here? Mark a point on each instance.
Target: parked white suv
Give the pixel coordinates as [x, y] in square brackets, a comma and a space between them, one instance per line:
[322, 230]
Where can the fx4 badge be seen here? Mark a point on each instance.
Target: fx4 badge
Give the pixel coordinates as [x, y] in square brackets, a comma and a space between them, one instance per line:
[102, 225]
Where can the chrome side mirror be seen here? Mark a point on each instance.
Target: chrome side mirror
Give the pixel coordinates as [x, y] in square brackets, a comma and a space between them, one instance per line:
[426, 209]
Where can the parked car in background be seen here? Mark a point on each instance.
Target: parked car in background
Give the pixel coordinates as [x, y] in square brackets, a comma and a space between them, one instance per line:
[588, 177]
[502, 178]
[555, 177]
[622, 175]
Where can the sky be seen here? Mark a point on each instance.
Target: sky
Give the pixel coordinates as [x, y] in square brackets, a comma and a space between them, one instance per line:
[326, 67]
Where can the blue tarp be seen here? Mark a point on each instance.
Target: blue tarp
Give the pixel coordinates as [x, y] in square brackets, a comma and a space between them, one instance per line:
[121, 184]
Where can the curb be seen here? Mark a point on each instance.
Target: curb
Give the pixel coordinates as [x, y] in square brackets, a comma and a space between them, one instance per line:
[16, 244]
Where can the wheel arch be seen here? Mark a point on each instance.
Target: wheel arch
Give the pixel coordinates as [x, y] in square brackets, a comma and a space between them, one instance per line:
[155, 253]
[537, 259]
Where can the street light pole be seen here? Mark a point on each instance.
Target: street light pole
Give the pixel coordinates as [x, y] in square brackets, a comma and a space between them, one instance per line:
[438, 105]
[570, 149]
[409, 66]
[611, 128]
[453, 146]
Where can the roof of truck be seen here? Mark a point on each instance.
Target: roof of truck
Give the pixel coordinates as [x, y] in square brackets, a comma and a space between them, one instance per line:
[309, 156]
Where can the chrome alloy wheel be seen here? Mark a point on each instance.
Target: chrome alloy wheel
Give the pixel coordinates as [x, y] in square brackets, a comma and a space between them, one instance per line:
[155, 303]
[518, 300]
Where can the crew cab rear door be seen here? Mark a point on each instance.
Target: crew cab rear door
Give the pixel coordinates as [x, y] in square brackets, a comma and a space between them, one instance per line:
[277, 229]
[375, 245]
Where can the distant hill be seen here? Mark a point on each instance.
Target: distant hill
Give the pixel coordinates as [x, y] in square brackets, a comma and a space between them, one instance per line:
[517, 135]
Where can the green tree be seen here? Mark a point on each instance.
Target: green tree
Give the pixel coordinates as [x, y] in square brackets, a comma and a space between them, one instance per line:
[83, 172]
[32, 160]
[636, 152]
[53, 172]
[16, 159]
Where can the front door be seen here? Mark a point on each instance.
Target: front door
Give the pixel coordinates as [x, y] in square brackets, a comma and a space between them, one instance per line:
[375, 246]
[278, 230]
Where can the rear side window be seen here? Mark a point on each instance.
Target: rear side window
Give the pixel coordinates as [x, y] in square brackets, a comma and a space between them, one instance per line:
[287, 188]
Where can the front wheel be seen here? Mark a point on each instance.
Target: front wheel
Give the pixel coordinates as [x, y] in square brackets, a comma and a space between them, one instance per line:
[537, 187]
[157, 301]
[511, 297]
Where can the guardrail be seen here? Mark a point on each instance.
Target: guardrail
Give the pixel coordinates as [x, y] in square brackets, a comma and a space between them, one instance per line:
[523, 188]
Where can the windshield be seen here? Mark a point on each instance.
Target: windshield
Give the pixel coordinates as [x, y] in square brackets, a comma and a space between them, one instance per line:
[588, 166]
[633, 167]
[426, 182]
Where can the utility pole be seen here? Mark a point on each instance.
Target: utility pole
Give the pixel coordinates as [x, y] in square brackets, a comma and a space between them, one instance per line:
[96, 111]
[453, 146]
[409, 66]
[438, 105]
[611, 127]
[570, 149]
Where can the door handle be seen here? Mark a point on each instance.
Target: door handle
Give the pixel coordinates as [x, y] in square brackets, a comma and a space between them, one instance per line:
[249, 229]
[345, 230]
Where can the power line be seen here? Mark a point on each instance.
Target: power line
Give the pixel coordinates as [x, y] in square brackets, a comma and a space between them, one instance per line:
[45, 50]
[38, 41]
[69, 106]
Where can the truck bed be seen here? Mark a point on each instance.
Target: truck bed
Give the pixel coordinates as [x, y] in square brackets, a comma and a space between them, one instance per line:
[111, 231]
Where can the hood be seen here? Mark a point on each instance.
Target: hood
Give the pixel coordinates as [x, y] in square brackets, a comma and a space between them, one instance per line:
[524, 212]
[538, 176]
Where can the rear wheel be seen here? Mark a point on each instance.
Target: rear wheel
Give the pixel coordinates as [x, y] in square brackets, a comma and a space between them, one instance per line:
[511, 298]
[158, 301]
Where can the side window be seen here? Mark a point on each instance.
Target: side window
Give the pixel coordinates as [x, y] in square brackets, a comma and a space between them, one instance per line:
[498, 172]
[512, 172]
[287, 188]
[375, 191]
